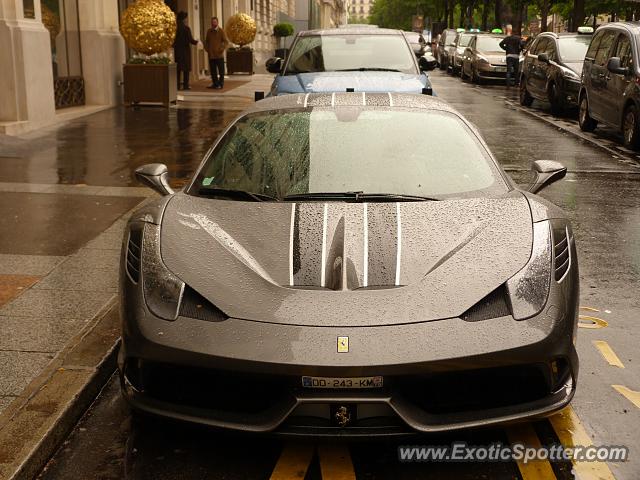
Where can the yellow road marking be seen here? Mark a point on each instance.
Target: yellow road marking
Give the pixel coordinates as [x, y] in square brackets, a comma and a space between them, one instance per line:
[590, 309]
[335, 462]
[293, 462]
[608, 353]
[631, 395]
[532, 470]
[593, 322]
[571, 433]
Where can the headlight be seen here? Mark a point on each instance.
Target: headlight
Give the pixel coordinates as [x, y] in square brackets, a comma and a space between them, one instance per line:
[162, 289]
[570, 74]
[529, 288]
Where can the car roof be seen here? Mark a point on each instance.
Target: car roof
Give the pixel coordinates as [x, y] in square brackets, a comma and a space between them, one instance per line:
[565, 34]
[633, 27]
[352, 99]
[351, 31]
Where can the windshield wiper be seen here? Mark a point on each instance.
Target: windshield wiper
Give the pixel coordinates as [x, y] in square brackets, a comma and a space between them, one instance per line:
[368, 69]
[236, 194]
[359, 197]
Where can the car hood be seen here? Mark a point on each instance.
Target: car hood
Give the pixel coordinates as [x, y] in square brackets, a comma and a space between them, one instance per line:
[575, 66]
[263, 261]
[321, 82]
[495, 58]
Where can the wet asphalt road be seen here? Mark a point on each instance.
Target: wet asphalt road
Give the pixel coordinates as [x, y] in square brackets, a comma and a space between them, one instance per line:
[600, 194]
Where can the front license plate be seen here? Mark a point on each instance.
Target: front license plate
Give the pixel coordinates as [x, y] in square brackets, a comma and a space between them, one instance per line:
[501, 69]
[335, 382]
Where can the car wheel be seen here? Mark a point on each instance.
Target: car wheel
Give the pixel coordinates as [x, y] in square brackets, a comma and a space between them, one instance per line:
[555, 99]
[525, 97]
[587, 124]
[630, 127]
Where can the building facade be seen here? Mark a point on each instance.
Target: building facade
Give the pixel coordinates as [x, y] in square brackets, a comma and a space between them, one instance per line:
[359, 10]
[61, 58]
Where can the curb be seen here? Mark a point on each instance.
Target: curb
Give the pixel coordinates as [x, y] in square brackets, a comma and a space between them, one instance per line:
[34, 426]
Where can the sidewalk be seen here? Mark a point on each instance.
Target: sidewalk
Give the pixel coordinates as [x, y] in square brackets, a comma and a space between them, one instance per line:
[66, 192]
[247, 86]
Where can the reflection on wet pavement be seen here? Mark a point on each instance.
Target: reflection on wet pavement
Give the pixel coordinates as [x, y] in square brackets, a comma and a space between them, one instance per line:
[105, 148]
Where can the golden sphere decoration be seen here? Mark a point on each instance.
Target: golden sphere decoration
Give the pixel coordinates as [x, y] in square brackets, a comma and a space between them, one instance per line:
[51, 22]
[148, 26]
[241, 29]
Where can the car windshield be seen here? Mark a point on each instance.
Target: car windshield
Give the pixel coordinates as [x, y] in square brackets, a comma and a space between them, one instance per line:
[330, 53]
[350, 149]
[451, 39]
[574, 49]
[489, 44]
[464, 40]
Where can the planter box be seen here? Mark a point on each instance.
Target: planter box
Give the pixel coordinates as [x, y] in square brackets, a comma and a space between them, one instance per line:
[150, 83]
[240, 61]
[282, 53]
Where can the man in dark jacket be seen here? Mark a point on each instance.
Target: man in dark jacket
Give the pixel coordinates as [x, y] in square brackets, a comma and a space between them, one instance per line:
[512, 44]
[182, 50]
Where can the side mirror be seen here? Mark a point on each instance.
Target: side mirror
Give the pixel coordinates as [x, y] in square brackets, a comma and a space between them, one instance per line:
[274, 65]
[547, 172]
[155, 176]
[543, 57]
[614, 65]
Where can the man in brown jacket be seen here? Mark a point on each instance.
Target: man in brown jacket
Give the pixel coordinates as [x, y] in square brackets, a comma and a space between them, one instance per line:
[215, 44]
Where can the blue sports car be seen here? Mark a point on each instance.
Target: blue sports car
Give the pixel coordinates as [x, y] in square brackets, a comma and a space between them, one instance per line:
[359, 60]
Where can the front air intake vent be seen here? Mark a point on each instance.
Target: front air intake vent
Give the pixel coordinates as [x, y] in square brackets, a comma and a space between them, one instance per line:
[194, 305]
[493, 305]
[134, 253]
[561, 252]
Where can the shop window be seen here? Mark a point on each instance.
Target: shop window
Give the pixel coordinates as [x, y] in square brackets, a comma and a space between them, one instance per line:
[60, 17]
[28, 9]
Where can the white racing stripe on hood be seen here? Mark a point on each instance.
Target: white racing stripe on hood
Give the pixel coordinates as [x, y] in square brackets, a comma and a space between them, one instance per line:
[228, 242]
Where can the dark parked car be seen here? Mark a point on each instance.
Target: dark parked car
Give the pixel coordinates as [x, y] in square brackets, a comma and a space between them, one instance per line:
[610, 81]
[552, 68]
[483, 59]
[325, 272]
[362, 59]
[461, 43]
[445, 43]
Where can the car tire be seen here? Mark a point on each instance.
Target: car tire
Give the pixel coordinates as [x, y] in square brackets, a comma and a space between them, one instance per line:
[525, 97]
[631, 127]
[557, 104]
[587, 124]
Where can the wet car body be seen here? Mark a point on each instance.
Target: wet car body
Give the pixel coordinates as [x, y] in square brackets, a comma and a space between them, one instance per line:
[610, 90]
[550, 73]
[461, 43]
[319, 77]
[483, 59]
[445, 44]
[456, 313]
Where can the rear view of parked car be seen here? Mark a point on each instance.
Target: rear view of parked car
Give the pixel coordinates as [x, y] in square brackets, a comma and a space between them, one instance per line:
[610, 92]
[461, 43]
[354, 59]
[552, 69]
[446, 41]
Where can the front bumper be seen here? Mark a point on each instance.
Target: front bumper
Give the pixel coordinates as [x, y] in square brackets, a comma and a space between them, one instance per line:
[441, 375]
[492, 72]
[571, 91]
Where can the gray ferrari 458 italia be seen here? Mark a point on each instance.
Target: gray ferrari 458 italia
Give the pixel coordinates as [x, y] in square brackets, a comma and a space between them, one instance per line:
[349, 264]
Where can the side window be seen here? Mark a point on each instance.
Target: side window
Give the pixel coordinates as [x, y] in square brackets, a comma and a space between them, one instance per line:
[541, 46]
[623, 50]
[593, 46]
[533, 50]
[602, 55]
[550, 49]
